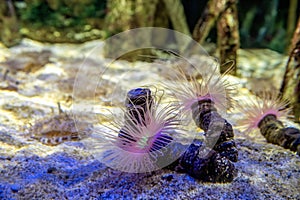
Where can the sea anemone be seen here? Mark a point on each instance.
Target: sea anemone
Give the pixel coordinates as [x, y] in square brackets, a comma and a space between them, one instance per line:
[205, 99]
[137, 143]
[255, 109]
[187, 89]
[267, 114]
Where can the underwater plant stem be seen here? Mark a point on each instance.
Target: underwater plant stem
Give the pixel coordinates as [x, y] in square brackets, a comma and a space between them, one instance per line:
[275, 132]
[290, 86]
[207, 20]
[176, 14]
[228, 37]
[224, 12]
[215, 127]
[296, 37]
[292, 15]
[9, 25]
[127, 14]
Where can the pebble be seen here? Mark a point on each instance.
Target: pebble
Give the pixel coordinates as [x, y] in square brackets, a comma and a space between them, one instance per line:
[15, 187]
[167, 177]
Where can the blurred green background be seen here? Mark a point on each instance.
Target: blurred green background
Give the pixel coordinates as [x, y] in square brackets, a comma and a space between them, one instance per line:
[262, 24]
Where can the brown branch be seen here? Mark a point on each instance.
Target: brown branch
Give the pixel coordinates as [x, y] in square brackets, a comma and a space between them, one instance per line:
[290, 87]
[228, 37]
[176, 14]
[213, 10]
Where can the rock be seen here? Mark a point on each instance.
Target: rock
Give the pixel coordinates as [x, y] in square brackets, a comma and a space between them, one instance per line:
[27, 61]
[263, 65]
[10, 140]
[167, 177]
[49, 77]
[15, 187]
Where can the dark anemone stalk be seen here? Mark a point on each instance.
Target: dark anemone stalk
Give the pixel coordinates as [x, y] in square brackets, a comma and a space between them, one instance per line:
[137, 101]
[140, 110]
[197, 160]
[150, 138]
[201, 162]
[268, 114]
[204, 99]
[206, 164]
